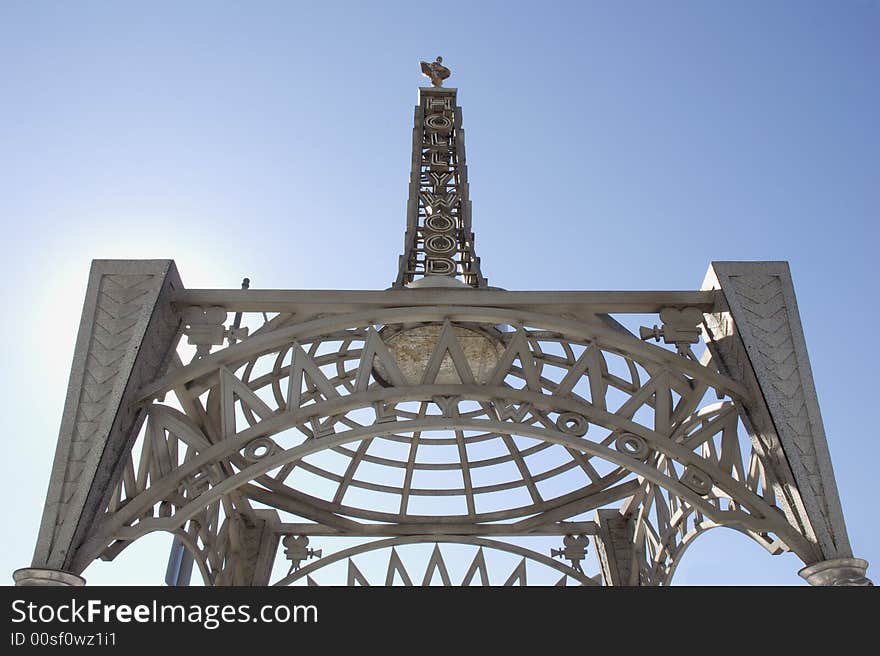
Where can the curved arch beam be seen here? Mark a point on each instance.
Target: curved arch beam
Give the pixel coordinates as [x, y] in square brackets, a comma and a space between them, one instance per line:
[596, 415]
[678, 553]
[660, 442]
[765, 519]
[194, 552]
[606, 338]
[185, 540]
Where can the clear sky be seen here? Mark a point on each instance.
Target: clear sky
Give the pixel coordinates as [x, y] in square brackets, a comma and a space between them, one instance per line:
[610, 145]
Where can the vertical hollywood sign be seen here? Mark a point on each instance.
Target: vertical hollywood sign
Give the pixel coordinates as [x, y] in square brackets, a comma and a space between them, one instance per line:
[439, 240]
[439, 208]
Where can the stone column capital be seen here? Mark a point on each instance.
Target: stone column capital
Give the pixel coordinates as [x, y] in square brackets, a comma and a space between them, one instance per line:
[837, 572]
[35, 576]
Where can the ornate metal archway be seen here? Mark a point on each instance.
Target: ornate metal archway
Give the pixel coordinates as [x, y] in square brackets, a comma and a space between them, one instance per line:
[526, 425]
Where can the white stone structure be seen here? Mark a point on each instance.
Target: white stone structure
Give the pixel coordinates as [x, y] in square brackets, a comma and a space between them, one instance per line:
[440, 411]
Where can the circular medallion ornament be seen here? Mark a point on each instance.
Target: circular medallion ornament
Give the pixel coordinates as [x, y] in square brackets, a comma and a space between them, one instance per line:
[259, 448]
[572, 423]
[633, 446]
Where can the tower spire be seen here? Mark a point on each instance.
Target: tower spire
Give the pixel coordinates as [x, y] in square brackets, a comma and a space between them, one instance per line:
[438, 243]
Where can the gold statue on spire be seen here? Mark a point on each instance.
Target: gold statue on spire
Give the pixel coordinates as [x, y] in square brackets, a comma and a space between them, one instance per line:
[436, 71]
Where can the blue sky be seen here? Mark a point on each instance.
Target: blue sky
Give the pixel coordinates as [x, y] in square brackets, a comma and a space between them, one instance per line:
[610, 146]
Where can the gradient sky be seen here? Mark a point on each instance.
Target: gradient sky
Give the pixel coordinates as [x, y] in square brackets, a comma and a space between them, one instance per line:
[618, 145]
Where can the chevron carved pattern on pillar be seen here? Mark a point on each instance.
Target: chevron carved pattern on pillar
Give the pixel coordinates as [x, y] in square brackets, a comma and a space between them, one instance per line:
[763, 311]
[616, 548]
[125, 338]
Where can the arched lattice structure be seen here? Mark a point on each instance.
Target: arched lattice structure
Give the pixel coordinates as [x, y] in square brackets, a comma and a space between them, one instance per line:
[440, 411]
[570, 416]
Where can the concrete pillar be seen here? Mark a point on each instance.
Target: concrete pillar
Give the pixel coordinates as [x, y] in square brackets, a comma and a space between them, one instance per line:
[616, 549]
[126, 338]
[756, 338]
[257, 542]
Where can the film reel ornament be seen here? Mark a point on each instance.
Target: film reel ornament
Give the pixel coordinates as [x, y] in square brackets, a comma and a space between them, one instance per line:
[440, 244]
[633, 446]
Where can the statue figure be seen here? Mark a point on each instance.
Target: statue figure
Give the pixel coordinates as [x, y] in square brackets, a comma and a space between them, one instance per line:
[436, 71]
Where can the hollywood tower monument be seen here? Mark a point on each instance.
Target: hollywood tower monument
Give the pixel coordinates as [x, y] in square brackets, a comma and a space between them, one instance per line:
[442, 430]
